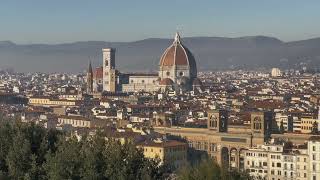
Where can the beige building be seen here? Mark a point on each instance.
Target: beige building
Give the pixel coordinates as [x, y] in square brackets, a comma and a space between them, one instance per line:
[46, 101]
[170, 152]
[275, 72]
[307, 124]
[314, 157]
[75, 121]
[224, 143]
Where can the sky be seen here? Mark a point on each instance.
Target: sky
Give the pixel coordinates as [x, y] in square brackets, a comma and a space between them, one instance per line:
[62, 21]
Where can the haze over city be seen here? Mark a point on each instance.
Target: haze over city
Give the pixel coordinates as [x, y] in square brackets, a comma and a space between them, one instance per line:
[160, 90]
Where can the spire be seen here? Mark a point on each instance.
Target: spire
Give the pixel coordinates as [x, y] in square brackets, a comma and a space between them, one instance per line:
[177, 38]
[90, 68]
[89, 79]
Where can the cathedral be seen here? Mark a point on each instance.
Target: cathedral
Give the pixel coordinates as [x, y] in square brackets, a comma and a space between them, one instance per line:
[177, 72]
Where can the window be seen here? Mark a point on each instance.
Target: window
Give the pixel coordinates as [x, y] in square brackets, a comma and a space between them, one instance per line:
[278, 164]
[257, 123]
[181, 74]
[314, 148]
[168, 73]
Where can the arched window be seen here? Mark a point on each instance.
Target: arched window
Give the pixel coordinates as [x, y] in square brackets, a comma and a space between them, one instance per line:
[106, 62]
[213, 121]
[257, 123]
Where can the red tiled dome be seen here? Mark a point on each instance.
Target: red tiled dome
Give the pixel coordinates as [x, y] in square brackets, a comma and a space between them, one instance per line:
[166, 82]
[177, 54]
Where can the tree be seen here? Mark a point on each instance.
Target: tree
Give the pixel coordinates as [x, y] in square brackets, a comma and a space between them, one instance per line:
[93, 159]
[65, 163]
[30, 152]
[208, 169]
[281, 128]
[314, 128]
[19, 157]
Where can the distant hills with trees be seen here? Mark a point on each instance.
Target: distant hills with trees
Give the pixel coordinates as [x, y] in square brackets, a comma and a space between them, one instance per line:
[211, 53]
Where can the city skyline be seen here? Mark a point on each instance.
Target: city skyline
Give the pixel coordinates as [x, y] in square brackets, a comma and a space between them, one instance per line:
[61, 22]
[160, 90]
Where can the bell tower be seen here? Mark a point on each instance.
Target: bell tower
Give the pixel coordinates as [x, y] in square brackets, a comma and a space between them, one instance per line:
[218, 120]
[261, 123]
[90, 79]
[109, 71]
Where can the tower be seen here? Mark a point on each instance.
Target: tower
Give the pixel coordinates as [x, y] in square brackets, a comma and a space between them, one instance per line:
[261, 123]
[109, 72]
[218, 120]
[90, 79]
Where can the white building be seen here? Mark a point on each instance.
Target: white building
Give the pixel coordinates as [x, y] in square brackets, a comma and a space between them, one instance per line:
[275, 72]
[282, 118]
[274, 162]
[314, 157]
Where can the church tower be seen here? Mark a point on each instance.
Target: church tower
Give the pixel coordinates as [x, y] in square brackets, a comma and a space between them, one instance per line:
[218, 120]
[90, 79]
[109, 71]
[261, 123]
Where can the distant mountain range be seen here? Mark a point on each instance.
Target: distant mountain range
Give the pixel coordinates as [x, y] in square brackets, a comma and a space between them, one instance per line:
[211, 53]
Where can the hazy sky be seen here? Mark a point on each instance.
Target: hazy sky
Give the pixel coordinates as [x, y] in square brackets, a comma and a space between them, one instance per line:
[57, 21]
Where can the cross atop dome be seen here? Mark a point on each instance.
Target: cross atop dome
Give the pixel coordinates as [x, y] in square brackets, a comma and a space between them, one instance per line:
[177, 38]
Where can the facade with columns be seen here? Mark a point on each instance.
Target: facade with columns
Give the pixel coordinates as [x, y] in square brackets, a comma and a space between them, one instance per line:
[226, 144]
[229, 145]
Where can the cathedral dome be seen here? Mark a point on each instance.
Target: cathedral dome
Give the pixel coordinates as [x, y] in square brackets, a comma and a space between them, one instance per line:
[166, 82]
[177, 54]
